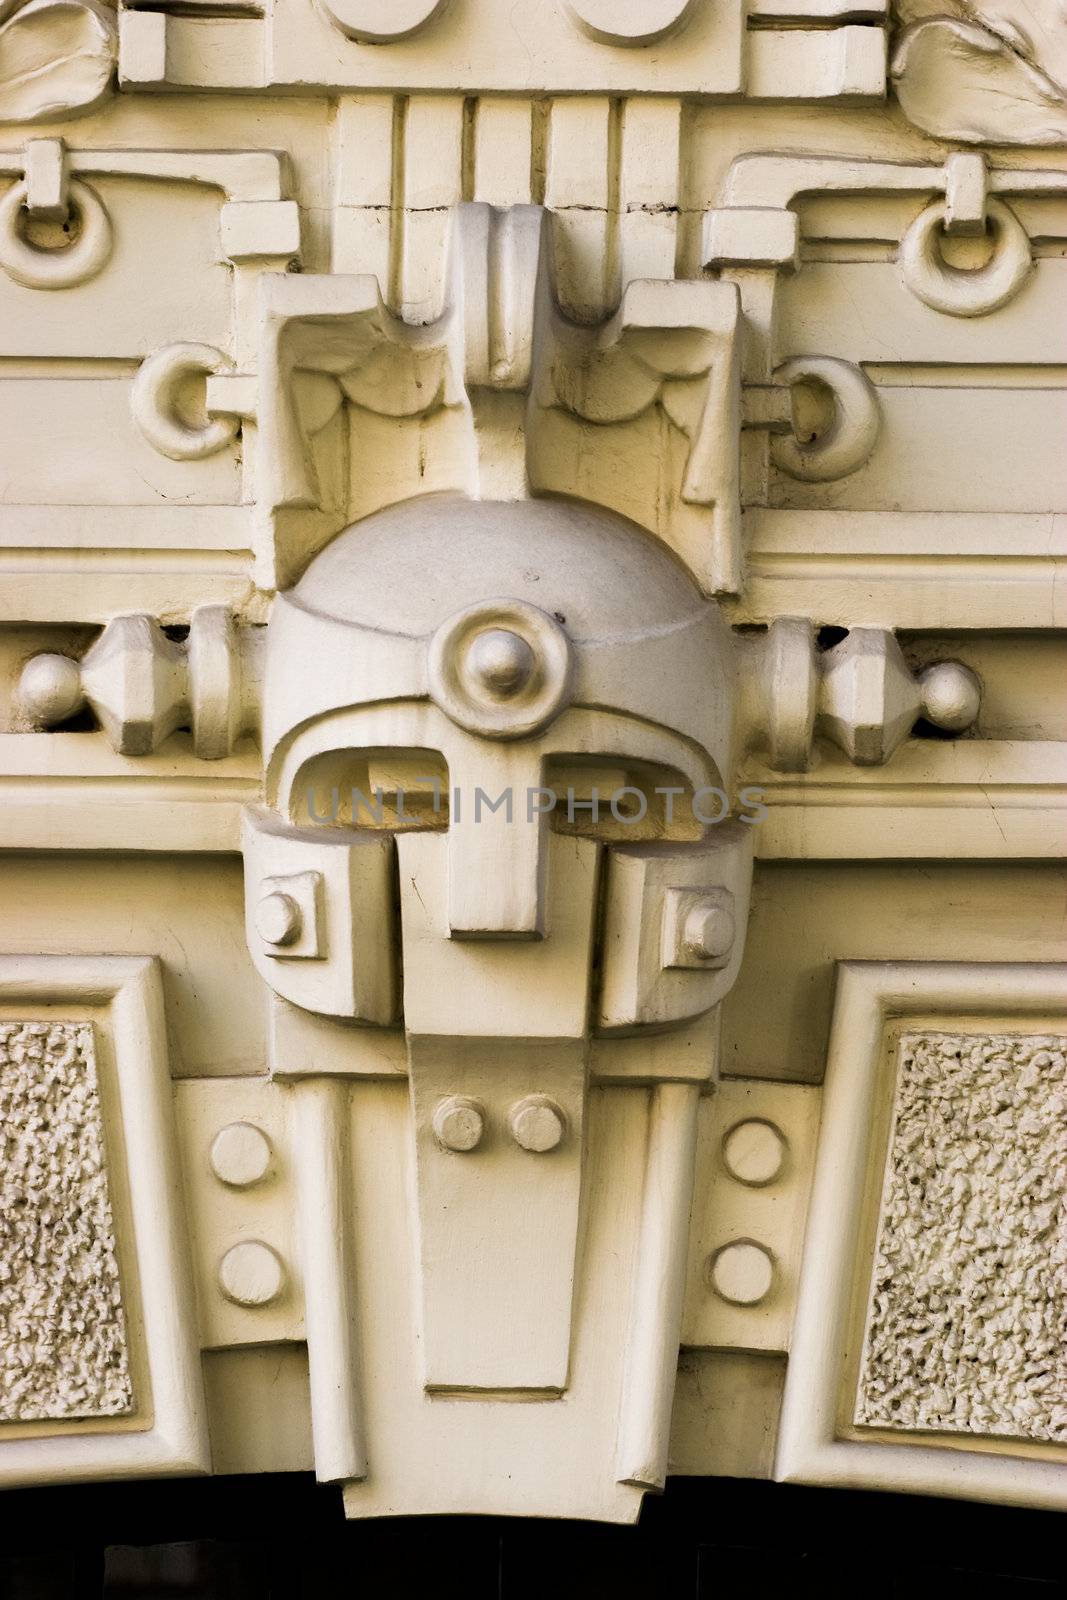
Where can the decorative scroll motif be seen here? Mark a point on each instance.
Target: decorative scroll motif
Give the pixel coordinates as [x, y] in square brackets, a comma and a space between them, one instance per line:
[967, 1328]
[57, 58]
[984, 71]
[63, 1345]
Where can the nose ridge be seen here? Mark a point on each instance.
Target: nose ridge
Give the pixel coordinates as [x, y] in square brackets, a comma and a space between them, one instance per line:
[497, 850]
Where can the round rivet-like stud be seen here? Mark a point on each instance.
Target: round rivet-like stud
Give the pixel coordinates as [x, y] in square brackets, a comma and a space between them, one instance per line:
[278, 919]
[458, 1123]
[240, 1155]
[501, 661]
[709, 931]
[753, 1151]
[251, 1273]
[501, 669]
[951, 695]
[537, 1123]
[742, 1272]
[50, 689]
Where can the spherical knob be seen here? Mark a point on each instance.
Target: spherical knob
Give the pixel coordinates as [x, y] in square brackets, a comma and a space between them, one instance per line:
[278, 919]
[537, 1124]
[742, 1272]
[458, 1123]
[251, 1274]
[709, 931]
[50, 689]
[951, 695]
[501, 662]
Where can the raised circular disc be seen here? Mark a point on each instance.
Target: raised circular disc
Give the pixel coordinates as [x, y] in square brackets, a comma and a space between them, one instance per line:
[709, 931]
[538, 1124]
[629, 22]
[240, 1155]
[458, 1123]
[753, 1152]
[381, 21]
[742, 1272]
[251, 1273]
[278, 919]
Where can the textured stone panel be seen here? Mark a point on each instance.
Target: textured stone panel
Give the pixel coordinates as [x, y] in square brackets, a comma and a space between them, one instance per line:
[967, 1325]
[63, 1345]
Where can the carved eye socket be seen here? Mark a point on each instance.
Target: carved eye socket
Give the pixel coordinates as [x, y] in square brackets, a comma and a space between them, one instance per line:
[395, 790]
[610, 799]
[623, 802]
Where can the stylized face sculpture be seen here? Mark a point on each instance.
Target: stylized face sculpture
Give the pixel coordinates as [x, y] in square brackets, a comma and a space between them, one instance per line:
[498, 672]
[495, 740]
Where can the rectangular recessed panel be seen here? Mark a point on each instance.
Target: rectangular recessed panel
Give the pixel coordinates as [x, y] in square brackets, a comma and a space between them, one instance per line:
[63, 1339]
[967, 1322]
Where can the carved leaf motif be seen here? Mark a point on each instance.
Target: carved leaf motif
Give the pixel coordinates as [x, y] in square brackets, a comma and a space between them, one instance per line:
[56, 59]
[959, 81]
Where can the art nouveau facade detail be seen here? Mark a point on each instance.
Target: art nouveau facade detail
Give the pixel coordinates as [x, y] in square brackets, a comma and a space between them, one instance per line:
[531, 756]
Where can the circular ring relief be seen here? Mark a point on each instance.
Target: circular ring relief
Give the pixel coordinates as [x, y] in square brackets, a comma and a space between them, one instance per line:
[36, 267]
[959, 291]
[154, 398]
[847, 443]
[501, 668]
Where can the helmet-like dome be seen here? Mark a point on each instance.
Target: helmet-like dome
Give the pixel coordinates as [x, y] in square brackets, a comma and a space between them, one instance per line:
[504, 613]
[405, 569]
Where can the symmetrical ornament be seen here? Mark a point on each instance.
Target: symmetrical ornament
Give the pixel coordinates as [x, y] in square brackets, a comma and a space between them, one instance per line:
[474, 490]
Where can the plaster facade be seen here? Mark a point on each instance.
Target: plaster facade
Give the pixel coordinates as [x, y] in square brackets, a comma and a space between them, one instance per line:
[533, 747]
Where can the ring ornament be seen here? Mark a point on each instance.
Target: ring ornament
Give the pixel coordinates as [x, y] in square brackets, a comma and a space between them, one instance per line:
[67, 265]
[155, 407]
[959, 291]
[846, 444]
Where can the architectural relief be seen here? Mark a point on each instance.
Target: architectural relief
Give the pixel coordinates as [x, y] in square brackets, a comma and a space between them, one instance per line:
[967, 1329]
[991, 72]
[927, 1344]
[63, 1343]
[57, 58]
[531, 751]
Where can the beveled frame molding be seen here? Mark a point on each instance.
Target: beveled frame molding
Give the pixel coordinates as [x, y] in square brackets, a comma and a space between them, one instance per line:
[124, 997]
[859, 1074]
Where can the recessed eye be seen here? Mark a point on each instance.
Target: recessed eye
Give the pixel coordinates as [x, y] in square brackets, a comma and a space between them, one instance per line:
[396, 790]
[628, 802]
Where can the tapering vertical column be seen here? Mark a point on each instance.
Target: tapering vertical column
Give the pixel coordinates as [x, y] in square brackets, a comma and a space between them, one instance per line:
[321, 1111]
[659, 1285]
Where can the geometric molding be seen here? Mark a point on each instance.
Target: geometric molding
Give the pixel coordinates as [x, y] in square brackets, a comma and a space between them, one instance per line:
[65, 1353]
[768, 1209]
[968, 1305]
[885, 1014]
[103, 1032]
